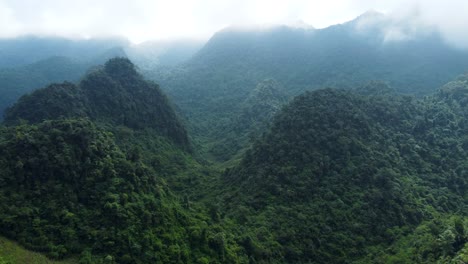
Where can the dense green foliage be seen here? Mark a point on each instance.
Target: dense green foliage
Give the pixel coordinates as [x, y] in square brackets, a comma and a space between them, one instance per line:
[89, 180]
[115, 94]
[29, 63]
[14, 82]
[67, 188]
[12, 253]
[20, 80]
[339, 173]
[103, 171]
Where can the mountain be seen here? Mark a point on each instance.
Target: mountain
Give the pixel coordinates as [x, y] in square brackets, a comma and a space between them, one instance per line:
[218, 78]
[341, 177]
[88, 169]
[115, 94]
[103, 170]
[17, 81]
[274, 166]
[29, 63]
[22, 51]
[67, 189]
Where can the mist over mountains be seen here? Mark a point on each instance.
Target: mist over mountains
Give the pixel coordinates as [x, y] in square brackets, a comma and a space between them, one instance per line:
[217, 79]
[270, 144]
[217, 76]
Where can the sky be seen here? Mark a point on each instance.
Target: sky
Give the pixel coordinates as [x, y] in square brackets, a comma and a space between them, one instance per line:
[142, 20]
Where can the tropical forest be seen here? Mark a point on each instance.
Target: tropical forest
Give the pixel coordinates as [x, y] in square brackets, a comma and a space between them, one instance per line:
[274, 144]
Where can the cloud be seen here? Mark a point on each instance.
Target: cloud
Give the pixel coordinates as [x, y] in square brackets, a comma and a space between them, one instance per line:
[142, 20]
[396, 26]
[449, 17]
[416, 17]
[10, 26]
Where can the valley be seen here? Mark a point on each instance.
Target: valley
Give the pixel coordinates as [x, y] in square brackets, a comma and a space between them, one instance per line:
[279, 145]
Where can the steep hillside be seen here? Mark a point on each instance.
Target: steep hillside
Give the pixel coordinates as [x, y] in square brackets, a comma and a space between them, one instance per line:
[29, 63]
[17, 81]
[68, 189]
[115, 95]
[340, 175]
[92, 175]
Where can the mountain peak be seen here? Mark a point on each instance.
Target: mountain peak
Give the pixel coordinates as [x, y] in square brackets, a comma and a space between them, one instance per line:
[116, 95]
[119, 67]
[371, 13]
[370, 17]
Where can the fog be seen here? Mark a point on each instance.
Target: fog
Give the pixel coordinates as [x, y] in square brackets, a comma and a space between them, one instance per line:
[142, 20]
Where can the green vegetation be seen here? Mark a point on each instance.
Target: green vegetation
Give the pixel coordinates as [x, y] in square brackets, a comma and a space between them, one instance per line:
[29, 75]
[68, 189]
[15, 82]
[439, 240]
[103, 171]
[12, 253]
[89, 180]
[229, 138]
[211, 87]
[115, 95]
[339, 173]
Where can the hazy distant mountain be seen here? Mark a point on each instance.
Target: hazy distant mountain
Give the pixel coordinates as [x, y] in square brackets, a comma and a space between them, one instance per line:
[17, 81]
[217, 79]
[151, 54]
[343, 55]
[28, 63]
[30, 49]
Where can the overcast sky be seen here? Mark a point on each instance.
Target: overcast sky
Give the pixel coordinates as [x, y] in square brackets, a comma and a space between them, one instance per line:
[141, 20]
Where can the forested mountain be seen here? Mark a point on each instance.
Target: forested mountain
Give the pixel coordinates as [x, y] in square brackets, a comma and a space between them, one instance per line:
[217, 79]
[67, 189]
[103, 170]
[29, 63]
[340, 177]
[87, 176]
[17, 81]
[342, 56]
[27, 50]
[115, 95]
[339, 145]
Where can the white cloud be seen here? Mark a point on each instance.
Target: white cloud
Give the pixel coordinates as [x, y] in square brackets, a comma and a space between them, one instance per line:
[9, 25]
[141, 20]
